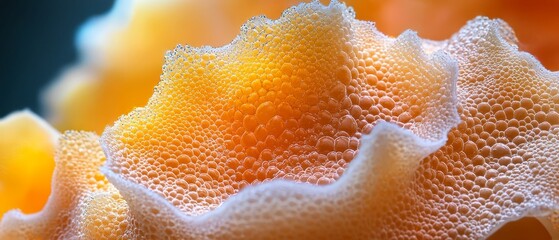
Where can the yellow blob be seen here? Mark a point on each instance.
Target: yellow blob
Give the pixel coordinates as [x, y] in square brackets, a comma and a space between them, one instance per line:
[27, 146]
[295, 99]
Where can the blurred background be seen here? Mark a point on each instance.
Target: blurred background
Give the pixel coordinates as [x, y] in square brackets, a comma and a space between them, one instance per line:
[36, 42]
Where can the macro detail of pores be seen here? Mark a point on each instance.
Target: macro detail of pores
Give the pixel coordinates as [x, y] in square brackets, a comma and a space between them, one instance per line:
[283, 134]
[500, 163]
[288, 99]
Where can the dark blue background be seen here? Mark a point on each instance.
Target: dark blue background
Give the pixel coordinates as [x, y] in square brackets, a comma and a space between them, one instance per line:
[36, 43]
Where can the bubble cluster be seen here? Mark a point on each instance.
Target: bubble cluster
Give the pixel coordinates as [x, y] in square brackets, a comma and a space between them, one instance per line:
[353, 207]
[500, 163]
[288, 99]
[121, 54]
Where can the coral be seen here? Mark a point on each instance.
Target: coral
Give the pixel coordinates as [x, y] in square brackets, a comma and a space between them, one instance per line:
[357, 206]
[26, 150]
[288, 99]
[317, 126]
[500, 163]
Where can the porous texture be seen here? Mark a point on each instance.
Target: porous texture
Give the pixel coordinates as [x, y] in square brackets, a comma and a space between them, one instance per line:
[82, 204]
[288, 99]
[27, 146]
[357, 206]
[500, 163]
[305, 101]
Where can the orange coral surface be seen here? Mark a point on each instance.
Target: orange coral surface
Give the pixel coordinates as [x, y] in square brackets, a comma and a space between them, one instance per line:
[286, 100]
[378, 137]
[482, 179]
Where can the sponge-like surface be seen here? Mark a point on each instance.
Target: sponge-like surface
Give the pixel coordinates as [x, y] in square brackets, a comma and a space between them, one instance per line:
[288, 99]
[500, 163]
[357, 206]
[316, 126]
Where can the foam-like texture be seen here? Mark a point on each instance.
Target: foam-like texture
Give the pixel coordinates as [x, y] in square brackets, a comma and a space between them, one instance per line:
[27, 146]
[288, 99]
[500, 163]
[357, 206]
[316, 126]
[82, 204]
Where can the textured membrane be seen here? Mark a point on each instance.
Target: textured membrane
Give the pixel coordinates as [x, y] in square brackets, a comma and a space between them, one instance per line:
[305, 101]
[82, 204]
[288, 99]
[535, 24]
[357, 206]
[500, 163]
